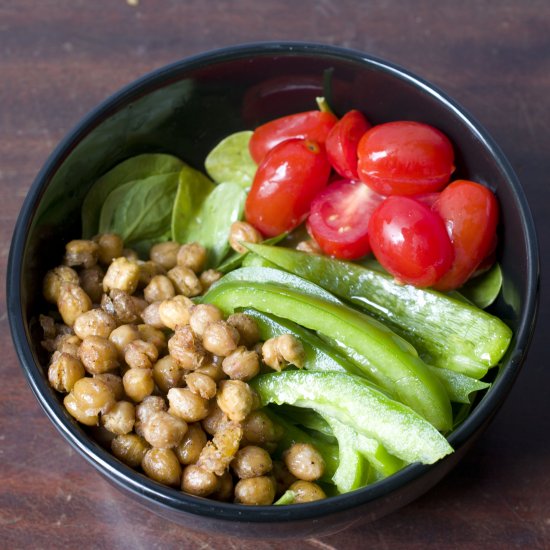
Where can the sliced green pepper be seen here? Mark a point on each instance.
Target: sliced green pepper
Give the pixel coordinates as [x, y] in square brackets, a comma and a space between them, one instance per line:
[351, 401]
[447, 332]
[390, 361]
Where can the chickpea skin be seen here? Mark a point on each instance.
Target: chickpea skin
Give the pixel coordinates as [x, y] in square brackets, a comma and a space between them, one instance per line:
[162, 465]
[160, 288]
[185, 281]
[186, 348]
[122, 336]
[130, 449]
[64, 371]
[55, 278]
[92, 395]
[163, 430]
[241, 364]
[192, 256]
[259, 429]
[151, 316]
[175, 311]
[122, 274]
[198, 482]
[243, 232]
[247, 327]
[138, 384]
[201, 384]
[78, 412]
[140, 354]
[251, 461]
[306, 491]
[255, 491]
[220, 338]
[187, 405]
[165, 254]
[208, 278]
[167, 373]
[81, 252]
[110, 246]
[203, 315]
[95, 322]
[98, 355]
[235, 399]
[304, 461]
[120, 418]
[72, 302]
[189, 450]
[91, 281]
[282, 351]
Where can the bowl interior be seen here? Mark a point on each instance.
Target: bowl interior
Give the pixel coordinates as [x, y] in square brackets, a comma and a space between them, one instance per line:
[185, 109]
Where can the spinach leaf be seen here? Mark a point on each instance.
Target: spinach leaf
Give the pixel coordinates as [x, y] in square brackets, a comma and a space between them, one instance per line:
[211, 222]
[230, 160]
[483, 289]
[140, 210]
[193, 188]
[131, 170]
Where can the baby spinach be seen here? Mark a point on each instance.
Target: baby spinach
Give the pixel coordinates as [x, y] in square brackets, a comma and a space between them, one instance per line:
[133, 169]
[483, 289]
[230, 160]
[140, 210]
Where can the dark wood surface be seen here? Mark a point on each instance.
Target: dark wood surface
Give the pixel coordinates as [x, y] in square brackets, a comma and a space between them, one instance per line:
[59, 58]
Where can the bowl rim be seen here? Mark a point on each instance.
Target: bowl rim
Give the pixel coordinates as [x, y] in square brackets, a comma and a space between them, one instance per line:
[139, 484]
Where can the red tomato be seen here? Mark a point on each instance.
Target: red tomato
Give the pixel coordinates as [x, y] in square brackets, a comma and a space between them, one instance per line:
[470, 212]
[342, 143]
[339, 219]
[286, 182]
[410, 241]
[314, 125]
[405, 158]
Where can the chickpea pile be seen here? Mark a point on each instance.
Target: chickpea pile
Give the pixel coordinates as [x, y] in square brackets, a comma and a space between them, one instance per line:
[163, 381]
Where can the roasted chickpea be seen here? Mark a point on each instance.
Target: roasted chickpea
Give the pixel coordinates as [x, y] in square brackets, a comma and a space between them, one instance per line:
[153, 336]
[214, 419]
[110, 247]
[140, 354]
[91, 281]
[243, 232]
[185, 281]
[165, 254]
[114, 381]
[218, 453]
[92, 395]
[306, 491]
[95, 322]
[80, 412]
[193, 256]
[283, 350]
[309, 246]
[189, 450]
[241, 364]
[122, 336]
[259, 429]
[122, 274]
[283, 478]
[201, 384]
[175, 311]
[251, 461]
[81, 252]
[98, 354]
[138, 383]
[120, 418]
[220, 338]
[147, 271]
[208, 278]
[162, 465]
[213, 369]
[122, 306]
[55, 278]
[130, 254]
[255, 491]
[151, 316]
[202, 315]
[163, 430]
[224, 492]
[304, 461]
[235, 399]
[72, 301]
[247, 327]
[160, 288]
[130, 449]
[186, 348]
[167, 373]
[187, 405]
[198, 482]
[146, 409]
[68, 343]
[64, 371]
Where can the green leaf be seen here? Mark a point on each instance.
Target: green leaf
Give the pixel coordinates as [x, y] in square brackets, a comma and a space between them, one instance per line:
[140, 209]
[211, 222]
[483, 289]
[193, 188]
[133, 169]
[230, 160]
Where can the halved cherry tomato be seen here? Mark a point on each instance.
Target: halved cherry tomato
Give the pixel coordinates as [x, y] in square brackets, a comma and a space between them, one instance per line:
[286, 182]
[470, 212]
[342, 143]
[405, 158]
[410, 241]
[314, 125]
[339, 219]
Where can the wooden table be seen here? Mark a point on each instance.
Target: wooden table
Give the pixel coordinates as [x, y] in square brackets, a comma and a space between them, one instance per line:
[58, 58]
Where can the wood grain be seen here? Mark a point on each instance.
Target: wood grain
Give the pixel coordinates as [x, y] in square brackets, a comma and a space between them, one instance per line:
[59, 58]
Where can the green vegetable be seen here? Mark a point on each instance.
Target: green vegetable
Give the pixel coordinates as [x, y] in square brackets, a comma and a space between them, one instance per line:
[354, 403]
[139, 211]
[483, 289]
[288, 497]
[133, 169]
[230, 160]
[447, 332]
[390, 362]
[210, 223]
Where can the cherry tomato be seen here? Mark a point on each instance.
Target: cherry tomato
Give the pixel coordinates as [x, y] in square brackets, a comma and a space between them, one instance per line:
[314, 125]
[339, 219]
[405, 158]
[342, 143]
[286, 182]
[410, 241]
[470, 212]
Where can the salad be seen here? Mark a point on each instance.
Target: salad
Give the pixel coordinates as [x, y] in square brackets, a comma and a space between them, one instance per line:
[303, 318]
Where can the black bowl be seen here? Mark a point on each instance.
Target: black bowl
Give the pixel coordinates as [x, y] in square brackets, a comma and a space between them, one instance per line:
[185, 109]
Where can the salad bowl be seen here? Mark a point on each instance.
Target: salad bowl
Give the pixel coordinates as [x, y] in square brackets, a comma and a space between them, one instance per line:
[185, 109]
